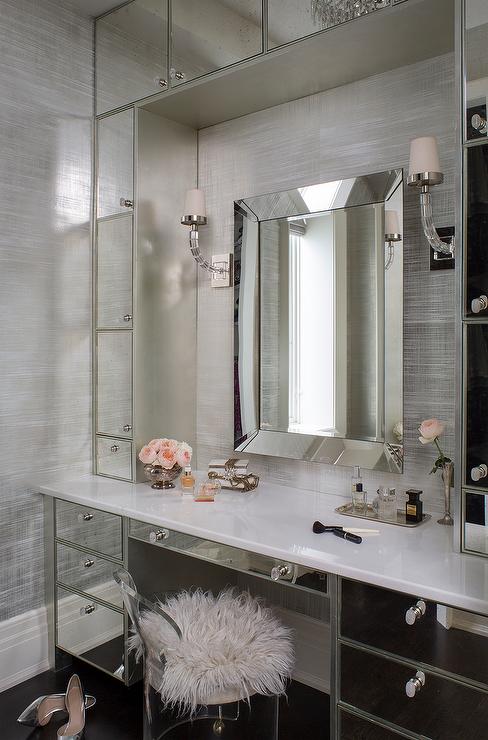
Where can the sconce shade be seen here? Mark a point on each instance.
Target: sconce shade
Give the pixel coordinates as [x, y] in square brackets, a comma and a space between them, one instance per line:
[392, 225]
[424, 156]
[195, 203]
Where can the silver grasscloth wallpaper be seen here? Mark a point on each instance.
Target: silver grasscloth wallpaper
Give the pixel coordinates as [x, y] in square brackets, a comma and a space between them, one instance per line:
[46, 79]
[359, 128]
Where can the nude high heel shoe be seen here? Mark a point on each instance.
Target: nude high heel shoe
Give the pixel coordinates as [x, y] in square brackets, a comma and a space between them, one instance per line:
[75, 706]
[42, 709]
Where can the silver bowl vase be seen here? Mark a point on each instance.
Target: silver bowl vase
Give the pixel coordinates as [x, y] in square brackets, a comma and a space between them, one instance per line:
[162, 479]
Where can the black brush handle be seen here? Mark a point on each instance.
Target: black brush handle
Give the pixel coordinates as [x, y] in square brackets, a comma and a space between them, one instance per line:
[348, 536]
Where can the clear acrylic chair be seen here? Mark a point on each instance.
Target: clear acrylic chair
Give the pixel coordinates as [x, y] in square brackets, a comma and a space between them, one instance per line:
[161, 721]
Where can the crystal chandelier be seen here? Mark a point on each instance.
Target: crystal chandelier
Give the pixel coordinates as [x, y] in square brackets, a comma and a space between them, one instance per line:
[332, 12]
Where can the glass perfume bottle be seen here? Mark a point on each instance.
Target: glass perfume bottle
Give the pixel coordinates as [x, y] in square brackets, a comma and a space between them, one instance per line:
[187, 481]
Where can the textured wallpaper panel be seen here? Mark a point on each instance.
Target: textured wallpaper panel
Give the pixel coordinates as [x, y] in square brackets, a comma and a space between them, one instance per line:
[356, 129]
[46, 80]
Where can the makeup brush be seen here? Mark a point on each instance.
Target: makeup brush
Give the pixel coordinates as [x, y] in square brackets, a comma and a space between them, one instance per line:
[319, 528]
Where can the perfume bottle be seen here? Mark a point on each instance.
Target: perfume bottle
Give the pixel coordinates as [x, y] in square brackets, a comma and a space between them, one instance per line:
[414, 506]
[187, 481]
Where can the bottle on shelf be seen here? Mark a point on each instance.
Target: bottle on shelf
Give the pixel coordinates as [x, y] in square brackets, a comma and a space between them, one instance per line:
[187, 481]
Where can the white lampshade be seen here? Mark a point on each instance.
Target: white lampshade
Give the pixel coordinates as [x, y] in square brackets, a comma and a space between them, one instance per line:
[392, 225]
[424, 155]
[195, 203]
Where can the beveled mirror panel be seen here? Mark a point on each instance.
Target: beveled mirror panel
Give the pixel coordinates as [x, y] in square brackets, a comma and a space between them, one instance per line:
[319, 323]
[114, 273]
[114, 383]
[475, 534]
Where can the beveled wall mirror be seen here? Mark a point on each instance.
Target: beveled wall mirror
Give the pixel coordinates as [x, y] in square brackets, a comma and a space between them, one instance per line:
[318, 359]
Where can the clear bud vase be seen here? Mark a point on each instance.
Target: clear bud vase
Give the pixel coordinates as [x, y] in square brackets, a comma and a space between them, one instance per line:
[447, 474]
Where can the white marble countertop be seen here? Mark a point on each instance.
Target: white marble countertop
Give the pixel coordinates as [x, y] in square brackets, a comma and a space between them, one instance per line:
[277, 521]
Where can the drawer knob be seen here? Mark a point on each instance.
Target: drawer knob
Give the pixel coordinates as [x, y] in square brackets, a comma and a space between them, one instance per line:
[414, 685]
[128, 317]
[479, 123]
[161, 534]
[479, 304]
[127, 427]
[176, 74]
[280, 571]
[87, 609]
[126, 203]
[162, 82]
[86, 517]
[415, 612]
[88, 563]
[479, 472]
[114, 448]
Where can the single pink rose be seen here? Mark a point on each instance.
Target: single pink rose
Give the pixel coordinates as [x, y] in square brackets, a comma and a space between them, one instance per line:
[166, 457]
[169, 444]
[148, 454]
[430, 429]
[183, 454]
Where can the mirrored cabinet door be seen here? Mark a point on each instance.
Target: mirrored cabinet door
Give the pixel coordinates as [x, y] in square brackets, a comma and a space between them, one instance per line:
[130, 53]
[114, 458]
[115, 164]
[114, 383]
[212, 34]
[290, 20]
[476, 342]
[114, 272]
[476, 68]
[477, 230]
[475, 522]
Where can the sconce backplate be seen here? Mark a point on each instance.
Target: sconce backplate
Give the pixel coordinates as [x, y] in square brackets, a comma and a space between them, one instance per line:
[222, 280]
[439, 261]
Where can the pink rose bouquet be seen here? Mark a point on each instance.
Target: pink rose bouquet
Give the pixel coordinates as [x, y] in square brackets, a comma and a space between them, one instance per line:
[166, 452]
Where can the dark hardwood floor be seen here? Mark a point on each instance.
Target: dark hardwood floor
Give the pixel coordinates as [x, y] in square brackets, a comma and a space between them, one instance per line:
[304, 713]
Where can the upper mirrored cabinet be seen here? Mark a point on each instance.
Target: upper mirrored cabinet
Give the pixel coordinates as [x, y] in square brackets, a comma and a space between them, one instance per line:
[290, 20]
[476, 67]
[131, 53]
[212, 34]
[319, 322]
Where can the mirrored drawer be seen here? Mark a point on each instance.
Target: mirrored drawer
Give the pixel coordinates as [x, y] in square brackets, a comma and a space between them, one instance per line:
[358, 728]
[91, 528]
[421, 702]
[416, 629]
[90, 631]
[88, 573]
[114, 383]
[114, 458]
[231, 557]
[115, 192]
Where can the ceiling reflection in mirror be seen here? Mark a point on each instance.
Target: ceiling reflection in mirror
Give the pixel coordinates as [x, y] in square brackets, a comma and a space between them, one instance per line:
[318, 362]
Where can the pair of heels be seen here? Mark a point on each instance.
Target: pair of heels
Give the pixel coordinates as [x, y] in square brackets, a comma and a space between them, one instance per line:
[74, 702]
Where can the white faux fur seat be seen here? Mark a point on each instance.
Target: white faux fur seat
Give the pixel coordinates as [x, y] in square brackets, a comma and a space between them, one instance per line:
[231, 647]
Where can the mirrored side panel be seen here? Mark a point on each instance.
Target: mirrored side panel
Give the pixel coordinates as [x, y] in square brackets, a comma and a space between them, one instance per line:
[476, 68]
[130, 53]
[475, 522]
[115, 184]
[208, 35]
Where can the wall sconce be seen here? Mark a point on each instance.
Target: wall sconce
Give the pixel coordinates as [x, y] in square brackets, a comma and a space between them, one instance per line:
[424, 172]
[196, 215]
[392, 235]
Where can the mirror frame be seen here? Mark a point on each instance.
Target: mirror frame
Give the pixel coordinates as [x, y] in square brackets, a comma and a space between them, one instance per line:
[249, 437]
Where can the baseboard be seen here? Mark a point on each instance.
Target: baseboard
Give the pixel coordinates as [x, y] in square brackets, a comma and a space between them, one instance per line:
[23, 647]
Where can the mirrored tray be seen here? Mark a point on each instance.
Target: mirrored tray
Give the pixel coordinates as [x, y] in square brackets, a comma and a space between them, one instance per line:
[371, 515]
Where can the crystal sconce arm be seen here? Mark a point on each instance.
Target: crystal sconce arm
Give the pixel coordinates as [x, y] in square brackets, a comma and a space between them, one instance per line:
[424, 173]
[220, 267]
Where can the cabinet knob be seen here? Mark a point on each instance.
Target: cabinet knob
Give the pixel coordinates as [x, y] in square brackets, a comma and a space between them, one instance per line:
[161, 534]
[162, 82]
[114, 448]
[414, 685]
[126, 203]
[479, 304]
[128, 317]
[479, 123]
[415, 612]
[88, 563]
[176, 74]
[280, 571]
[127, 427]
[479, 472]
[86, 517]
[87, 609]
